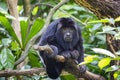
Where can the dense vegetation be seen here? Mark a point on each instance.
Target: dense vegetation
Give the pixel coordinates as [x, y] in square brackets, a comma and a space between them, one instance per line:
[93, 32]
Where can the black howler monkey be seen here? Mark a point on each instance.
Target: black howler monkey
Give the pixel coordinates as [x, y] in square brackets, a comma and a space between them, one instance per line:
[64, 37]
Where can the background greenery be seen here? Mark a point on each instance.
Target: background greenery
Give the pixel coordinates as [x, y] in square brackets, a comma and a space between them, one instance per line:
[93, 32]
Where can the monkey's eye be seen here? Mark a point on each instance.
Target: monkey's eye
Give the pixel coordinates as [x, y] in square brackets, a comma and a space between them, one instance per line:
[71, 22]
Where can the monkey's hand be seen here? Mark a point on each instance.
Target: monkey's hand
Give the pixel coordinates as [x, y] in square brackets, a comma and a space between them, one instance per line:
[82, 69]
[66, 54]
[74, 54]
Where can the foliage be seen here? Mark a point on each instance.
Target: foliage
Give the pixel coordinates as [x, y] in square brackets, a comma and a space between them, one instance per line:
[93, 32]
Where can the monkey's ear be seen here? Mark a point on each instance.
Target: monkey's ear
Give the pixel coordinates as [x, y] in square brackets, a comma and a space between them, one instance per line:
[59, 25]
[76, 27]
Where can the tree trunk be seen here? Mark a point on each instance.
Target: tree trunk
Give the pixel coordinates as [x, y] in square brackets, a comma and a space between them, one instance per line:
[105, 9]
[102, 8]
[12, 6]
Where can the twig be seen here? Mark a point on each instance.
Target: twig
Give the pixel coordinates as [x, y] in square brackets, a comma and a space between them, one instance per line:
[29, 45]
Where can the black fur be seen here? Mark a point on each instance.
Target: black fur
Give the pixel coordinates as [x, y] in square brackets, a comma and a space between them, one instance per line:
[54, 37]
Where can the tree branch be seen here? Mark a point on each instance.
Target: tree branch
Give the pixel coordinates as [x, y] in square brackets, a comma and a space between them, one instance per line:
[8, 73]
[37, 71]
[27, 7]
[70, 63]
[53, 10]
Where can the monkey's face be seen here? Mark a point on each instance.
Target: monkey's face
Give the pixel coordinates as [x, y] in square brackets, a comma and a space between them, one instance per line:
[68, 34]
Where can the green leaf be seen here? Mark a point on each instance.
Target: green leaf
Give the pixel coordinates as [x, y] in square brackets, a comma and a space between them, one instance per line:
[3, 8]
[112, 68]
[95, 27]
[68, 77]
[116, 74]
[118, 53]
[20, 8]
[33, 58]
[111, 20]
[35, 10]
[15, 46]
[90, 58]
[9, 28]
[1, 66]
[36, 27]
[99, 21]
[103, 51]
[6, 41]
[6, 58]
[108, 29]
[24, 32]
[117, 36]
[104, 62]
[116, 58]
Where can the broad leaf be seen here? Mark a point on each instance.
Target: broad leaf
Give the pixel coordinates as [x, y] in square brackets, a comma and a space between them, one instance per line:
[112, 68]
[117, 19]
[118, 53]
[117, 74]
[35, 10]
[117, 36]
[6, 58]
[3, 8]
[95, 27]
[35, 28]
[90, 58]
[24, 31]
[111, 21]
[1, 66]
[33, 58]
[104, 62]
[6, 41]
[103, 51]
[116, 58]
[9, 28]
[68, 77]
[109, 30]
[15, 46]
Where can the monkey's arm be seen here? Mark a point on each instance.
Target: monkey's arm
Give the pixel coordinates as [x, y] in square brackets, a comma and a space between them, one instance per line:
[50, 51]
[87, 75]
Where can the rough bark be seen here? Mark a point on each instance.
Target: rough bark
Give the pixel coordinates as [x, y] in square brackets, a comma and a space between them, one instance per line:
[105, 9]
[8, 73]
[27, 7]
[12, 6]
[102, 8]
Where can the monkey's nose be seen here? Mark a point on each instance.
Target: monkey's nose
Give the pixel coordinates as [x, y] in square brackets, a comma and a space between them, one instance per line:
[68, 34]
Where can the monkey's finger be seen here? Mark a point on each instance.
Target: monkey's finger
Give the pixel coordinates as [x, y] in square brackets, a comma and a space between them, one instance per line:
[35, 47]
[60, 58]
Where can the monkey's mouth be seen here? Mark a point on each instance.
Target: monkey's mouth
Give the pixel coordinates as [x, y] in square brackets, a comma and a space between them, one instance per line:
[68, 39]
